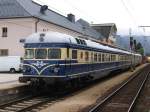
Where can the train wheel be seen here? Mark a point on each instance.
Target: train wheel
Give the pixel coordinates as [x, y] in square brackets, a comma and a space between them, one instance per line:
[12, 70]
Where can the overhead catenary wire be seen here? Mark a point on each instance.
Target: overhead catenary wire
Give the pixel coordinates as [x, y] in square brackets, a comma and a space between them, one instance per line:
[81, 12]
[129, 12]
[132, 16]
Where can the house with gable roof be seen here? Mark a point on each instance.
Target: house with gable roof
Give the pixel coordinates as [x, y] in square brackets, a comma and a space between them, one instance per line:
[20, 18]
[109, 32]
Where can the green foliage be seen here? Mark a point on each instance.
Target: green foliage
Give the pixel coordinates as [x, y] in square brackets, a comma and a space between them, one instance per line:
[139, 48]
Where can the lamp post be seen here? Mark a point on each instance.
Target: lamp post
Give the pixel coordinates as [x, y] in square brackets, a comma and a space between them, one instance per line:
[131, 49]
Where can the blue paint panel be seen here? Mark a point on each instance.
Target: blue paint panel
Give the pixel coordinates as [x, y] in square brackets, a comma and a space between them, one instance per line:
[31, 67]
[69, 69]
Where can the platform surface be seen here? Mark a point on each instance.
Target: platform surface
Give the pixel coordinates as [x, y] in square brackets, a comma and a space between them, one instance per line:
[9, 80]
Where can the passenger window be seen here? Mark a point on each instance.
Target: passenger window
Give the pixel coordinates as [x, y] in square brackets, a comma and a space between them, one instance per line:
[109, 57]
[84, 42]
[114, 57]
[54, 54]
[103, 57]
[91, 56]
[81, 42]
[78, 41]
[95, 56]
[86, 56]
[81, 55]
[99, 57]
[74, 54]
[106, 57]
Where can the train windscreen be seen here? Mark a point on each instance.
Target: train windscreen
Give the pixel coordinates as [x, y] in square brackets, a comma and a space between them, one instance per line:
[40, 53]
[29, 53]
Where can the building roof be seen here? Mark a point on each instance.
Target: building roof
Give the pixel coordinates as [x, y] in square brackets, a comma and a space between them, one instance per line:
[11, 8]
[87, 29]
[28, 8]
[104, 28]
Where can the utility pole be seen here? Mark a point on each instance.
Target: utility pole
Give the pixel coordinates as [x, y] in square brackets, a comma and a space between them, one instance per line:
[145, 39]
[131, 46]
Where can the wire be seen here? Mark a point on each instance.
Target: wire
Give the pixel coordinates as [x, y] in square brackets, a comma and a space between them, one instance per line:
[128, 11]
[79, 10]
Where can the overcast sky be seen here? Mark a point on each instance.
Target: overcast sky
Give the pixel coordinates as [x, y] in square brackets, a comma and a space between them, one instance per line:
[125, 13]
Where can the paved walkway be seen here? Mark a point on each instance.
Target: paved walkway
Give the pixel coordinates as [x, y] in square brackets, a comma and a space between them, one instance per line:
[8, 80]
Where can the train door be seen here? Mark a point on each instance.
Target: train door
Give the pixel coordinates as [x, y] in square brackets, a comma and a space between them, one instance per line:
[68, 62]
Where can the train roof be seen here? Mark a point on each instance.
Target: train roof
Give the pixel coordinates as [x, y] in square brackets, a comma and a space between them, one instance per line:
[50, 37]
[56, 37]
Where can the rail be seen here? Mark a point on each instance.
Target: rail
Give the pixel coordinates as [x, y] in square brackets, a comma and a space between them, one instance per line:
[119, 94]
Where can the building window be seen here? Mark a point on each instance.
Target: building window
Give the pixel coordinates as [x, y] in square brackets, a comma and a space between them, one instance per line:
[4, 32]
[3, 52]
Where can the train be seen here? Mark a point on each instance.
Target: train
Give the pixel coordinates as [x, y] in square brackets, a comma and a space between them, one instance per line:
[53, 58]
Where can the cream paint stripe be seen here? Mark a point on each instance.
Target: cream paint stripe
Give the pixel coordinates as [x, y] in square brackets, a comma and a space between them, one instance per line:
[39, 72]
[47, 67]
[91, 63]
[32, 67]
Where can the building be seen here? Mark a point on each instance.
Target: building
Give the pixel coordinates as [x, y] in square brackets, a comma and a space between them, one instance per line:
[20, 18]
[108, 30]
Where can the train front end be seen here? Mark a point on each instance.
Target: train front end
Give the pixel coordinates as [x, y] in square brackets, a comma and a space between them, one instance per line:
[44, 60]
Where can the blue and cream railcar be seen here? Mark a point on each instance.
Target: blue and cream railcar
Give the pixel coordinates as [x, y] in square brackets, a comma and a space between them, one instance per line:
[52, 57]
[137, 59]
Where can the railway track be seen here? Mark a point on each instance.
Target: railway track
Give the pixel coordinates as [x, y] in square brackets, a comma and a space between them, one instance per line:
[143, 102]
[32, 103]
[123, 99]
[26, 104]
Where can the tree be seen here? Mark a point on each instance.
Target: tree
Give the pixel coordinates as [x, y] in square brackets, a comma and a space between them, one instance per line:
[140, 49]
[135, 45]
[139, 45]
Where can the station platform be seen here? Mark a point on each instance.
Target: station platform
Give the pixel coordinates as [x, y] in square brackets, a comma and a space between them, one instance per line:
[10, 88]
[9, 81]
